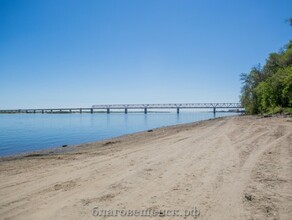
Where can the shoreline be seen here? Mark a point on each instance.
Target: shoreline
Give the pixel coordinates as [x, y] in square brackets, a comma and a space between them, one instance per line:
[68, 148]
[235, 167]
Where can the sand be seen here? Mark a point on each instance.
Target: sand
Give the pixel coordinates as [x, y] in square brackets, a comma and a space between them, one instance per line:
[228, 168]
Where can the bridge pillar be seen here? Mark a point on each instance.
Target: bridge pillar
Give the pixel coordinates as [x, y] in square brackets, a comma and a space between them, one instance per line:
[214, 110]
[108, 110]
[91, 110]
[34, 111]
[42, 111]
[177, 110]
[70, 110]
[51, 110]
[80, 110]
[145, 110]
[126, 111]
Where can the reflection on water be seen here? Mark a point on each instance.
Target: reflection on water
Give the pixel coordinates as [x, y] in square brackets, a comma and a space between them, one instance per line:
[29, 132]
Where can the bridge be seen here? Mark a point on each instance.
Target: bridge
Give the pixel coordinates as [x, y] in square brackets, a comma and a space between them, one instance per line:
[126, 107]
[176, 106]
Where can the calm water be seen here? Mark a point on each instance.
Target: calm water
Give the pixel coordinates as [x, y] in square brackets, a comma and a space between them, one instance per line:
[21, 133]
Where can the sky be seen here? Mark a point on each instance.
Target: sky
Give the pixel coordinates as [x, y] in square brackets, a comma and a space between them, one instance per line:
[77, 53]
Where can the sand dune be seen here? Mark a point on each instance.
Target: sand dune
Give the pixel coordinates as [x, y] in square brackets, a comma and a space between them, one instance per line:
[228, 168]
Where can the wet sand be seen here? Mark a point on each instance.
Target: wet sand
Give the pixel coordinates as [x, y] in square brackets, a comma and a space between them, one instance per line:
[227, 168]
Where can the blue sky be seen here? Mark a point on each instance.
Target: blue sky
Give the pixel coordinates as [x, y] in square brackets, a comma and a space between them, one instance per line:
[69, 53]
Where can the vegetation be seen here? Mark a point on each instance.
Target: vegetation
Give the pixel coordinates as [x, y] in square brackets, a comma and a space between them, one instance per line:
[268, 89]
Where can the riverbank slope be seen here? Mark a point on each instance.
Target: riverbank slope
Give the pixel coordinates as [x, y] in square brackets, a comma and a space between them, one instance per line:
[227, 168]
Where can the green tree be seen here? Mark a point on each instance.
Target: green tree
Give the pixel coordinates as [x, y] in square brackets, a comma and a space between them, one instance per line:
[269, 88]
[249, 97]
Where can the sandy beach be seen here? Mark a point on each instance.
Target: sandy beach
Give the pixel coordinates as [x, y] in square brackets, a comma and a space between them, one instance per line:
[227, 168]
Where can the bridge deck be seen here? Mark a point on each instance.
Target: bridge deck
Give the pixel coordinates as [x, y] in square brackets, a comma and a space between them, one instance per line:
[128, 106]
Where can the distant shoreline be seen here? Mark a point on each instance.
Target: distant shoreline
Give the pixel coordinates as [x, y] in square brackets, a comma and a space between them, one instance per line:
[114, 112]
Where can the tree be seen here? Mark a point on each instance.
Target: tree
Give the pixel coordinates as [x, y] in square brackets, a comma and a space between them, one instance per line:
[248, 95]
[269, 88]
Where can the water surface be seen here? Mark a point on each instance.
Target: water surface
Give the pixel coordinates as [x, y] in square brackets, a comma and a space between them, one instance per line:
[21, 133]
